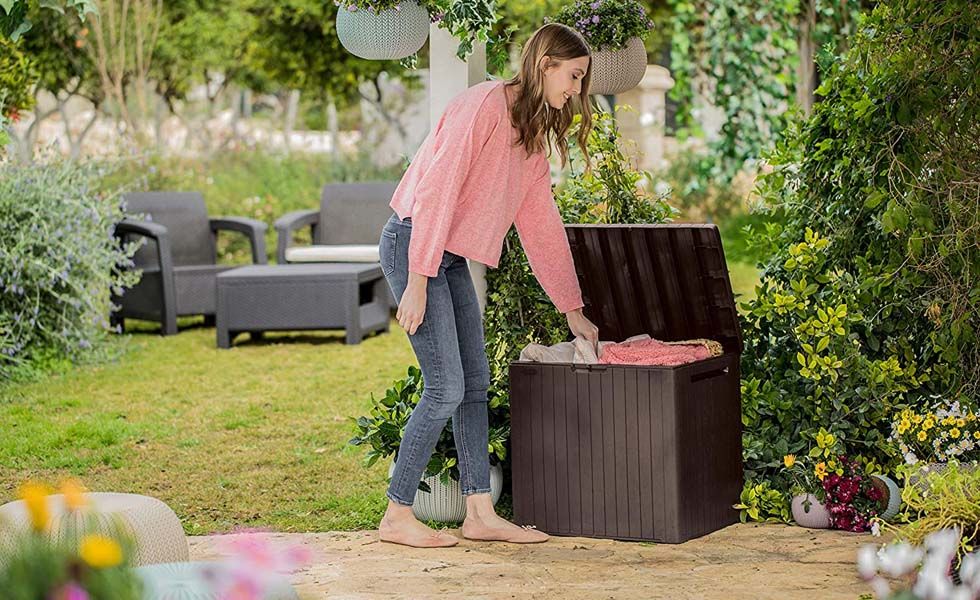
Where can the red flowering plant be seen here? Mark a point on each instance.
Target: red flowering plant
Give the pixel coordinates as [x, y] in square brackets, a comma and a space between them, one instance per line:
[851, 496]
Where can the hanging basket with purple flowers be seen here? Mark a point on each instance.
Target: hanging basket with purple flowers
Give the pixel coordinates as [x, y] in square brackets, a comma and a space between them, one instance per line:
[615, 30]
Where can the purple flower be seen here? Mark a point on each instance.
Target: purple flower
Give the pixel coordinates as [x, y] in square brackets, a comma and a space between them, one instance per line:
[595, 4]
[595, 19]
[84, 344]
[72, 591]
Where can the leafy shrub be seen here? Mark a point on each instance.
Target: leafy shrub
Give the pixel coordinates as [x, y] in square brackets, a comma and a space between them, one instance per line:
[382, 430]
[870, 297]
[58, 261]
[760, 502]
[605, 24]
[17, 75]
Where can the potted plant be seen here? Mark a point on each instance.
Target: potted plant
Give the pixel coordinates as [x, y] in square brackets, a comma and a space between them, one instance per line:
[851, 497]
[808, 493]
[615, 29]
[439, 497]
[382, 29]
[934, 437]
[397, 29]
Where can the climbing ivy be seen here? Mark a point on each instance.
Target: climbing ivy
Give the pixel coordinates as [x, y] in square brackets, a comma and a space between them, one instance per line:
[742, 55]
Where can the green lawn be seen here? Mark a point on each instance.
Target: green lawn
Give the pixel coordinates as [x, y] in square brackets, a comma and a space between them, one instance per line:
[248, 436]
[252, 436]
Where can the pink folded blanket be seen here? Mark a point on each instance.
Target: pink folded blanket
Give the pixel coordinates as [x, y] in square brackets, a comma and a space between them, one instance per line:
[654, 352]
[637, 350]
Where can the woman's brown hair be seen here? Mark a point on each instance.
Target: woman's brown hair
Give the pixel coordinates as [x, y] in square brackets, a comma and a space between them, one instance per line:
[530, 113]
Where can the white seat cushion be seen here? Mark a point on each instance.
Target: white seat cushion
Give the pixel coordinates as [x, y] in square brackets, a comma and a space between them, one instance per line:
[334, 253]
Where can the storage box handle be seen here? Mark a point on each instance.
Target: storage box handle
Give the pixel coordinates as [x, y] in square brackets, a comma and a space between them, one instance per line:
[708, 374]
[588, 368]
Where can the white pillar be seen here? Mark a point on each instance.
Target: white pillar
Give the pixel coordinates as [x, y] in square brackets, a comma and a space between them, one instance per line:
[449, 76]
[644, 126]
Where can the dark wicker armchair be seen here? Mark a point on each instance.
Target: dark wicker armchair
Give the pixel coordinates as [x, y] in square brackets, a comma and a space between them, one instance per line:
[179, 258]
[346, 227]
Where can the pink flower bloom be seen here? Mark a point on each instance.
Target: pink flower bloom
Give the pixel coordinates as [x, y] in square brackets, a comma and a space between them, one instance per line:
[71, 591]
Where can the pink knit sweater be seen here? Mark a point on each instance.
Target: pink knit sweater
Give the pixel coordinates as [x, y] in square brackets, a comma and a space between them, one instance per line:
[468, 183]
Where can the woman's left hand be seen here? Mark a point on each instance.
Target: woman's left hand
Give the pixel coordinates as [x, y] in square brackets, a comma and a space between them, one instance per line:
[581, 326]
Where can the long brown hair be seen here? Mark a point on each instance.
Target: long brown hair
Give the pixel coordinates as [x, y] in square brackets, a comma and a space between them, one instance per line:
[530, 115]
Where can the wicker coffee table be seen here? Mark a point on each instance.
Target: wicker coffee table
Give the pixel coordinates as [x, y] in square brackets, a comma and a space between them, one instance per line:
[259, 298]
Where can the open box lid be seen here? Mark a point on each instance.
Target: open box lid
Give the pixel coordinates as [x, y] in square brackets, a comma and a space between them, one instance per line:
[668, 281]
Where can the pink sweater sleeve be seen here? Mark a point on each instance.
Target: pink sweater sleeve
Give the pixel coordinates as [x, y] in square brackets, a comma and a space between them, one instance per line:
[460, 135]
[545, 242]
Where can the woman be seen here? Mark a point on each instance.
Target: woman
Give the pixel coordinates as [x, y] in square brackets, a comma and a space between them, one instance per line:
[480, 170]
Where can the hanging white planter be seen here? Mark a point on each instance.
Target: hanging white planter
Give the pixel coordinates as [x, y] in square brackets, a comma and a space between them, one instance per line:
[391, 34]
[615, 71]
[445, 503]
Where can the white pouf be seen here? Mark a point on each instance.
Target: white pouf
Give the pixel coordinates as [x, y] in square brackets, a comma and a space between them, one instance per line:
[155, 529]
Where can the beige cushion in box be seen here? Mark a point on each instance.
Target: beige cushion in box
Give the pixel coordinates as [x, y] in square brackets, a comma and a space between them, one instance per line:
[334, 253]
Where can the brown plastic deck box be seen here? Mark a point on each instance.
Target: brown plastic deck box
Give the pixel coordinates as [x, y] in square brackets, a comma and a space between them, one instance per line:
[635, 452]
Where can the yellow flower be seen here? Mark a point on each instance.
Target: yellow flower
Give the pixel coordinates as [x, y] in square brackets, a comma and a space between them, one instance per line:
[922, 436]
[928, 424]
[74, 494]
[820, 470]
[916, 418]
[960, 423]
[976, 434]
[35, 496]
[789, 460]
[902, 427]
[100, 552]
[954, 433]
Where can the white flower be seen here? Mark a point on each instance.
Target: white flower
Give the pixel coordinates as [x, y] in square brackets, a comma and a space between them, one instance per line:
[880, 587]
[899, 559]
[970, 570]
[662, 188]
[911, 458]
[868, 561]
[876, 529]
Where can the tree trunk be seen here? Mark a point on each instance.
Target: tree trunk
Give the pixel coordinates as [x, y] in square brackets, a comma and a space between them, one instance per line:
[806, 72]
[333, 126]
[292, 108]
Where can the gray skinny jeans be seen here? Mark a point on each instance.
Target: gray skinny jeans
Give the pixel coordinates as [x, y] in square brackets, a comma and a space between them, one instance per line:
[449, 345]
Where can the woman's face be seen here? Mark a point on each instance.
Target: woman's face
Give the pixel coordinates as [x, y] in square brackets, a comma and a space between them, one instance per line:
[564, 79]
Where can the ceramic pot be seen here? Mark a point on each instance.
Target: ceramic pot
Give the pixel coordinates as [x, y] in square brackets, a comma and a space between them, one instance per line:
[810, 512]
[388, 35]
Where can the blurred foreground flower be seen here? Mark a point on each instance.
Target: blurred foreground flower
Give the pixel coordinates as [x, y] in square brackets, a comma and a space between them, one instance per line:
[256, 558]
[925, 572]
[35, 497]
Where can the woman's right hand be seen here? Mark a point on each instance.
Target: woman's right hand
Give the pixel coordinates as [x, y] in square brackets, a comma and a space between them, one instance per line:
[411, 309]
